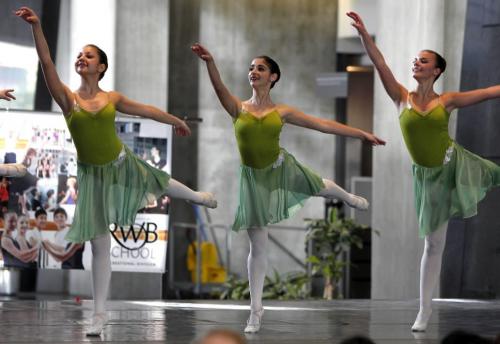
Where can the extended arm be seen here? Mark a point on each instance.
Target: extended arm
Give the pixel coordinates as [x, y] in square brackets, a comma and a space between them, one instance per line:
[393, 88]
[454, 100]
[60, 92]
[131, 107]
[231, 103]
[297, 117]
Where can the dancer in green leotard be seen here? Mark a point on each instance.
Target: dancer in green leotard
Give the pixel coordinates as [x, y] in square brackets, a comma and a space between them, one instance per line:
[448, 180]
[113, 183]
[273, 185]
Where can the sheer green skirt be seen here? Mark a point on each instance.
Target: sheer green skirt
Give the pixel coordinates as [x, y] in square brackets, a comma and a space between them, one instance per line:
[274, 193]
[113, 193]
[453, 189]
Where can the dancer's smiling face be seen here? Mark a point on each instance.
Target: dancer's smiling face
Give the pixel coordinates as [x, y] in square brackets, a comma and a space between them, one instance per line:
[259, 73]
[424, 66]
[88, 62]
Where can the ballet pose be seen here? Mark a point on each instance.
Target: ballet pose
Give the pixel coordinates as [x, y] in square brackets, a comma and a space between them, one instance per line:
[113, 183]
[448, 180]
[273, 185]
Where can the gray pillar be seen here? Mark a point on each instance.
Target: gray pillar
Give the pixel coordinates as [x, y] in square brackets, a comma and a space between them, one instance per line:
[183, 100]
[471, 260]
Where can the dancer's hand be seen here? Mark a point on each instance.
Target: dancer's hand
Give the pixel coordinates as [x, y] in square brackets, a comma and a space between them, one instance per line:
[202, 52]
[374, 140]
[182, 129]
[28, 15]
[5, 94]
[358, 23]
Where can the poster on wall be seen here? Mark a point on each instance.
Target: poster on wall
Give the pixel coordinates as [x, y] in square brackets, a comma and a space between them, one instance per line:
[37, 209]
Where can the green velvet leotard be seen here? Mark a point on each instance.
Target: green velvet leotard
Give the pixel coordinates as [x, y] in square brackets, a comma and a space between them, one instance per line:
[426, 134]
[94, 134]
[258, 138]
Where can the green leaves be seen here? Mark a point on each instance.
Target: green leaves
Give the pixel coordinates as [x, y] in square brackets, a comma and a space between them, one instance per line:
[291, 286]
[330, 239]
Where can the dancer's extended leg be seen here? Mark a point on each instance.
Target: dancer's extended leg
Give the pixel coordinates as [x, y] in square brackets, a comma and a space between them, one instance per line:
[101, 275]
[176, 189]
[332, 190]
[430, 268]
[257, 266]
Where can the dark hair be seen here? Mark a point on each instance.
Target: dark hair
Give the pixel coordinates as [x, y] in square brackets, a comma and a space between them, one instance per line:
[358, 340]
[440, 62]
[273, 67]
[103, 58]
[40, 211]
[463, 337]
[50, 192]
[234, 336]
[60, 211]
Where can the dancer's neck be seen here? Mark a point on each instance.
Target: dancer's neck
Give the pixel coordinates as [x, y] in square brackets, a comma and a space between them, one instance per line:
[424, 92]
[261, 98]
[89, 87]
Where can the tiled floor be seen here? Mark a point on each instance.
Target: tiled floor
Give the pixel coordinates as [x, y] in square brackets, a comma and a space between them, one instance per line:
[34, 321]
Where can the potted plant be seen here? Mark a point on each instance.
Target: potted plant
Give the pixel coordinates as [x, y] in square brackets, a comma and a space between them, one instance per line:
[330, 238]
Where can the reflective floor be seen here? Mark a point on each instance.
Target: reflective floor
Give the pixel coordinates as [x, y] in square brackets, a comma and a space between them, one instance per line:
[35, 321]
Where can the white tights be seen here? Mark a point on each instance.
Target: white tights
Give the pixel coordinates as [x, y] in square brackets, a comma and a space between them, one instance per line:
[257, 266]
[257, 258]
[430, 269]
[101, 260]
[332, 190]
[176, 189]
[101, 271]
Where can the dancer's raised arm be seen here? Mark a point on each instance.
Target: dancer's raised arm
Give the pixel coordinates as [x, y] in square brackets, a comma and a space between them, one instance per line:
[231, 103]
[394, 89]
[299, 118]
[60, 92]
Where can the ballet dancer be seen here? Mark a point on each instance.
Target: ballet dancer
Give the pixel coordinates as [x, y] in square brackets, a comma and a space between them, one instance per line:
[113, 183]
[448, 180]
[273, 185]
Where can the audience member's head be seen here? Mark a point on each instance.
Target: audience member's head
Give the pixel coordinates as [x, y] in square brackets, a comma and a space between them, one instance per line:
[41, 218]
[60, 217]
[463, 337]
[357, 340]
[221, 336]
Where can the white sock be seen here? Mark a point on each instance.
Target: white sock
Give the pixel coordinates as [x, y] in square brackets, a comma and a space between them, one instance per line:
[257, 266]
[176, 189]
[332, 190]
[430, 268]
[101, 271]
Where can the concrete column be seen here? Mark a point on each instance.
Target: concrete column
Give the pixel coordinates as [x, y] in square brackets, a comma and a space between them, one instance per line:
[300, 35]
[141, 73]
[405, 28]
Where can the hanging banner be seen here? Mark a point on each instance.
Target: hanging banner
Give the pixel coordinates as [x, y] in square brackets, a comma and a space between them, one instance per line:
[31, 239]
